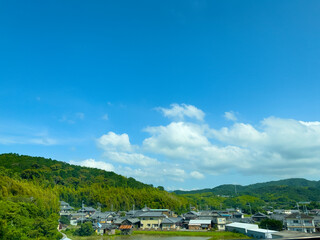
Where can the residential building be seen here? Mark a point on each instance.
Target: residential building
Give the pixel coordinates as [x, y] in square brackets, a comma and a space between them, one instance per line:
[171, 223]
[259, 217]
[199, 224]
[220, 223]
[151, 220]
[300, 222]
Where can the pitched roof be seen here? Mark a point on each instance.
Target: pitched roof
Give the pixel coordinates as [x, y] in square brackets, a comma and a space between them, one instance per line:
[199, 222]
[63, 203]
[97, 215]
[298, 215]
[259, 214]
[133, 220]
[125, 227]
[152, 214]
[87, 209]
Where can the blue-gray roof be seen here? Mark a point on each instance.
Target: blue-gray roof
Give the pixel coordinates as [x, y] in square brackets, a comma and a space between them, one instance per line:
[152, 214]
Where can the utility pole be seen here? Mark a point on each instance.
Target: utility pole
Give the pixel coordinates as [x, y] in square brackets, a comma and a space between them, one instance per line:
[250, 208]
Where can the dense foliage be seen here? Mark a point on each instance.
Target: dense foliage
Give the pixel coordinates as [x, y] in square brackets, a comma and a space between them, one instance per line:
[27, 211]
[271, 224]
[75, 184]
[258, 197]
[31, 187]
[85, 229]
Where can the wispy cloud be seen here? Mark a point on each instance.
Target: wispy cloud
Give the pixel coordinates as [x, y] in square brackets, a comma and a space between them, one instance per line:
[105, 117]
[181, 111]
[230, 116]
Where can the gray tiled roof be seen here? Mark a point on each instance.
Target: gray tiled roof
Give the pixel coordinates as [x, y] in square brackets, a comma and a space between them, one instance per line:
[171, 220]
[97, 215]
[152, 214]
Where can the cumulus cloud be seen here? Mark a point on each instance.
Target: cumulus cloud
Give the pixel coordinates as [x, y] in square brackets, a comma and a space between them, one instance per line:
[92, 163]
[180, 111]
[182, 149]
[115, 142]
[230, 116]
[117, 148]
[176, 140]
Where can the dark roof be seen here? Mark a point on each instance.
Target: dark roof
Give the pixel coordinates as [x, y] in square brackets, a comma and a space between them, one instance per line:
[171, 220]
[192, 213]
[298, 215]
[87, 209]
[119, 220]
[133, 220]
[152, 214]
[135, 213]
[259, 214]
[97, 215]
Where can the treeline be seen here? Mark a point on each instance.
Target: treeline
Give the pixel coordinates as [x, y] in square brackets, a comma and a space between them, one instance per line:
[258, 197]
[75, 184]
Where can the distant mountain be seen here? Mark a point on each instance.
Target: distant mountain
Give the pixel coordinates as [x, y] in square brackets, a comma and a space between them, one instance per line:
[231, 189]
[269, 195]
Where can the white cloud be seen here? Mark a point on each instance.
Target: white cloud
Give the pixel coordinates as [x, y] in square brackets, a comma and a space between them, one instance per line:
[95, 164]
[158, 174]
[181, 111]
[118, 148]
[131, 158]
[230, 116]
[196, 175]
[176, 140]
[115, 142]
[274, 147]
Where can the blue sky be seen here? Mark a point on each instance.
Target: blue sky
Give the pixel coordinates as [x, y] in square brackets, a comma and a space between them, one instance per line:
[184, 94]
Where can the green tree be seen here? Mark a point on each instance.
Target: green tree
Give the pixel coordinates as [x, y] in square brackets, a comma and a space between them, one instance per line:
[64, 220]
[85, 229]
[271, 224]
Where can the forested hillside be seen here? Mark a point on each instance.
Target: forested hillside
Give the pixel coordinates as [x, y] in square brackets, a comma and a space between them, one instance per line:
[276, 194]
[31, 187]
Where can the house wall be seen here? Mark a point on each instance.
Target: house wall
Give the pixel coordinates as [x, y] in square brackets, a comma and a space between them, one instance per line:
[194, 227]
[147, 223]
[168, 226]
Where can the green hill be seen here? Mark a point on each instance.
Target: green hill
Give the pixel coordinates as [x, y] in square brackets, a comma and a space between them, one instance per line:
[31, 187]
[275, 194]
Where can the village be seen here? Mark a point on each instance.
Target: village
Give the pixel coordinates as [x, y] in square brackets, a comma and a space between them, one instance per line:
[295, 223]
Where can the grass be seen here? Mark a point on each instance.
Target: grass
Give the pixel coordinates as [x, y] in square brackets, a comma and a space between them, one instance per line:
[213, 235]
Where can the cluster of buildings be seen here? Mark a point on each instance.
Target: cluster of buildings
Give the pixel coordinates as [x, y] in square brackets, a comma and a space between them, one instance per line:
[165, 219]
